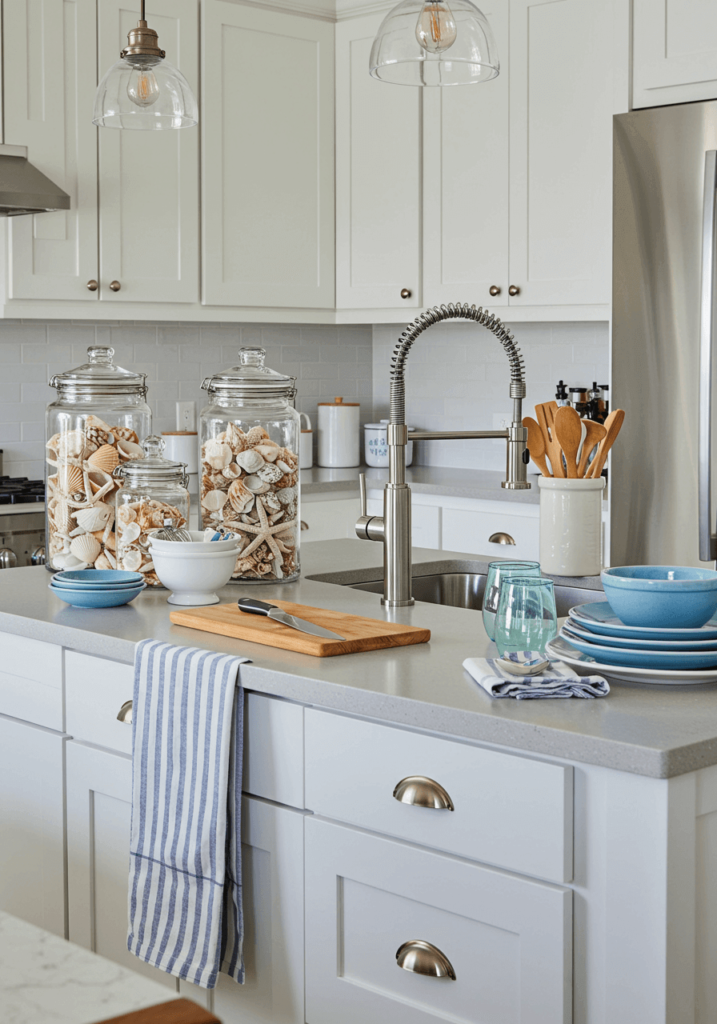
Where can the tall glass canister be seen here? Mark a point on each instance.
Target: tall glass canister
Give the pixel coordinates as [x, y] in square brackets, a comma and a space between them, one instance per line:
[96, 423]
[249, 466]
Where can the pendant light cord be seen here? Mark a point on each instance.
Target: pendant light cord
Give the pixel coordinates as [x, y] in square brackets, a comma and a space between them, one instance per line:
[142, 17]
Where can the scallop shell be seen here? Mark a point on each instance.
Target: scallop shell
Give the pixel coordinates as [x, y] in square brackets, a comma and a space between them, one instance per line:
[86, 548]
[71, 479]
[240, 496]
[126, 514]
[214, 501]
[256, 435]
[131, 559]
[269, 450]
[217, 454]
[250, 460]
[93, 518]
[62, 517]
[286, 495]
[130, 533]
[72, 444]
[130, 450]
[255, 484]
[105, 458]
[232, 471]
[269, 473]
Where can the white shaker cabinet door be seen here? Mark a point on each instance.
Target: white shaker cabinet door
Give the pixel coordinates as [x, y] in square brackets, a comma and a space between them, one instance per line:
[32, 883]
[267, 157]
[561, 107]
[149, 180]
[507, 939]
[674, 51]
[465, 184]
[49, 79]
[378, 190]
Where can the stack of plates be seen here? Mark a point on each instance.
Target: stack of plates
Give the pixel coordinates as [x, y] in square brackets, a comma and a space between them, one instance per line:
[97, 588]
[593, 638]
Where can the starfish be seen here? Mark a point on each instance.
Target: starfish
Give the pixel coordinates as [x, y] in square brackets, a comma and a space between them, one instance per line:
[265, 535]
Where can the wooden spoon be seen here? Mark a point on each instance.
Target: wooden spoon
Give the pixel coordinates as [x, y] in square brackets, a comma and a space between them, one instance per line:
[545, 416]
[594, 433]
[612, 429]
[536, 445]
[568, 431]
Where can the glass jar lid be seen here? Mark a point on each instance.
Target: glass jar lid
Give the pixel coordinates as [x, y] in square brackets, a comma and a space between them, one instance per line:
[153, 468]
[250, 379]
[100, 376]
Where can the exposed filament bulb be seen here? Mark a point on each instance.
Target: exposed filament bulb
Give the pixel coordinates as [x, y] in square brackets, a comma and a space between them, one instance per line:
[143, 88]
[436, 29]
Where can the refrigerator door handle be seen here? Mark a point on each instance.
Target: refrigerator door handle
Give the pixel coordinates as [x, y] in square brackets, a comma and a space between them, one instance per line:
[708, 540]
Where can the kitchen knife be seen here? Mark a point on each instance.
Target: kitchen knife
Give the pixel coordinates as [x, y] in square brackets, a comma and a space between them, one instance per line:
[248, 604]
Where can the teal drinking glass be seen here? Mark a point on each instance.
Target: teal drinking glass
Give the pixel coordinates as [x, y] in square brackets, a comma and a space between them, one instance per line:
[526, 619]
[497, 572]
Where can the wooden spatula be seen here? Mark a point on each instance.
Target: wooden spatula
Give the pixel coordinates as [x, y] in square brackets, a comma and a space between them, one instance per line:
[536, 445]
[594, 433]
[568, 432]
[545, 414]
[612, 429]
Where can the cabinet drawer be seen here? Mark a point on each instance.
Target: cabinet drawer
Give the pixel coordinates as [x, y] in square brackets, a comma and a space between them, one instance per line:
[470, 532]
[512, 811]
[273, 729]
[31, 680]
[508, 939]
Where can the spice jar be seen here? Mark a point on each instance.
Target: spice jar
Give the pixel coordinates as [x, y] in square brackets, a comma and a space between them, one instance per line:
[95, 424]
[154, 491]
[249, 466]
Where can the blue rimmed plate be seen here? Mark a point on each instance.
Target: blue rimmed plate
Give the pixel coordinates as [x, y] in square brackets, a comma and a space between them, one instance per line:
[625, 643]
[600, 618]
[681, 660]
[585, 664]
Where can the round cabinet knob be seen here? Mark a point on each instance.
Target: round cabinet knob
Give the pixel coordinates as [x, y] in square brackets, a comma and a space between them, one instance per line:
[423, 792]
[495, 290]
[406, 293]
[514, 290]
[125, 713]
[421, 957]
[115, 286]
[92, 285]
[500, 538]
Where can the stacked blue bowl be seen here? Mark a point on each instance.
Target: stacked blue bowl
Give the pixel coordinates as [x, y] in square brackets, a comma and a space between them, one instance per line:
[97, 588]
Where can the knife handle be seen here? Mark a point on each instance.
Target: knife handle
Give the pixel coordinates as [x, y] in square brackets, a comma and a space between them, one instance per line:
[249, 604]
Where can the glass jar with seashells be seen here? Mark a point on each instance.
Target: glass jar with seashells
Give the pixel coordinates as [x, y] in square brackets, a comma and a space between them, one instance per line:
[94, 425]
[154, 491]
[249, 466]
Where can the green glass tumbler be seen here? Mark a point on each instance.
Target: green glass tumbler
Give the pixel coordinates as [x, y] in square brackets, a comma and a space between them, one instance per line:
[526, 619]
[497, 572]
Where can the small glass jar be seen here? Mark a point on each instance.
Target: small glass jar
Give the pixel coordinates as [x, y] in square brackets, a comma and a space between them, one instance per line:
[96, 423]
[154, 491]
[249, 466]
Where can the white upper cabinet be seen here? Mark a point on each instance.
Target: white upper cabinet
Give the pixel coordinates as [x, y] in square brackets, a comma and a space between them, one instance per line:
[378, 179]
[149, 180]
[674, 51]
[267, 157]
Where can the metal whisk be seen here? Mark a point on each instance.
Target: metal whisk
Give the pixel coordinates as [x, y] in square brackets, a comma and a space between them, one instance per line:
[171, 532]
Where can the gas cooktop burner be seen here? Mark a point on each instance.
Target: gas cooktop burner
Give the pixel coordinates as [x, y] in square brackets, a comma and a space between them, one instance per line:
[18, 490]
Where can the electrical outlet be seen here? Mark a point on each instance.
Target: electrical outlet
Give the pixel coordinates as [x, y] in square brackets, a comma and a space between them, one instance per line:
[186, 415]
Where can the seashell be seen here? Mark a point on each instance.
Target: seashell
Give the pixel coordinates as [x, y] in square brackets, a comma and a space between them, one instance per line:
[290, 480]
[94, 422]
[62, 517]
[86, 548]
[93, 518]
[53, 443]
[126, 514]
[131, 559]
[216, 454]
[65, 562]
[270, 473]
[130, 533]
[270, 500]
[255, 484]
[110, 542]
[232, 471]
[146, 567]
[71, 479]
[284, 467]
[105, 458]
[123, 434]
[256, 435]
[130, 450]
[241, 497]
[286, 538]
[269, 450]
[250, 460]
[235, 437]
[214, 501]
[286, 495]
[72, 444]
[103, 562]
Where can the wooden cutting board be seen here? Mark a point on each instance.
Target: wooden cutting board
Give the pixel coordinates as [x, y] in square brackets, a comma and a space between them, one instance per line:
[361, 634]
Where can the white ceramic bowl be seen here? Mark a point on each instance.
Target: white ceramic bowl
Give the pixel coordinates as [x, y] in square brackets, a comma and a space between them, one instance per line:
[193, 577]
[197, 543]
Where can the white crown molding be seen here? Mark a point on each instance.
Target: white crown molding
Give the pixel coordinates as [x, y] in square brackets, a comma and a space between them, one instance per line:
[354, 8]
[326, 10]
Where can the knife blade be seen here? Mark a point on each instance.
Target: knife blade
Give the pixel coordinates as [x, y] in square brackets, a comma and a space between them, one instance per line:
[254, 607]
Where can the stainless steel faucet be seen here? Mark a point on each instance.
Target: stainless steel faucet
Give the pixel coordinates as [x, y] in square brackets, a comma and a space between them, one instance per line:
[393, 529]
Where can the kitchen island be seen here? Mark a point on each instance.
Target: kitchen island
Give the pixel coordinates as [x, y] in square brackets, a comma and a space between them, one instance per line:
[578, 867]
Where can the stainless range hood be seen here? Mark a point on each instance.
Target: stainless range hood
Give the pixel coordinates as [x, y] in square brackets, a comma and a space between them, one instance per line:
[24, 189]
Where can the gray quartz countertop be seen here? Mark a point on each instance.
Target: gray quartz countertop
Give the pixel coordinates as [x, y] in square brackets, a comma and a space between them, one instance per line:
[657, 731]
[458, 483]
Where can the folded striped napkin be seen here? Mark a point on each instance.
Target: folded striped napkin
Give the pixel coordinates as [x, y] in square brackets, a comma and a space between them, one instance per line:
[558, 680]
[185, 896]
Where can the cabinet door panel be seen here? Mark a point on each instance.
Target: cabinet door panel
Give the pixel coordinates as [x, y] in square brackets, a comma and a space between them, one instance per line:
[378, 159]
[675, 51]
[561, 81]
[267, 158]
[149, 181]
[470, 531]
[49, 70]
[465, 192]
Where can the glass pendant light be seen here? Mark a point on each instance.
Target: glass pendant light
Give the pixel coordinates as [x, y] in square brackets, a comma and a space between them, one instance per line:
[142, 90]
[434, 42]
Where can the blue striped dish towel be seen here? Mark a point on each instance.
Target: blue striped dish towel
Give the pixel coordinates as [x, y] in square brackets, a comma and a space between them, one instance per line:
[185, 896]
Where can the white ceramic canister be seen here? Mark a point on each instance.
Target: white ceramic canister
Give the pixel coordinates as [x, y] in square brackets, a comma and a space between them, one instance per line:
[375, 444]
[339, 431]
[306, 443]
[571, 526]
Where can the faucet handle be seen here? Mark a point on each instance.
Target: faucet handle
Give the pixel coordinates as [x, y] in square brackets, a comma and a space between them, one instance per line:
[362, 495]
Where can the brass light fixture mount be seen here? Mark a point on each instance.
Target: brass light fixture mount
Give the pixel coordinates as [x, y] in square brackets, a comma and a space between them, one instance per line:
[142, 41]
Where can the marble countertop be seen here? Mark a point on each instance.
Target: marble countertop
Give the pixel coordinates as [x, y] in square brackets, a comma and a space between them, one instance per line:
[47, 980]
[483, 484]
[657, 731]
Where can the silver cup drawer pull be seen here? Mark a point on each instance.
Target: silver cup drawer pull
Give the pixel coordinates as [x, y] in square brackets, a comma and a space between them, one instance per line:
[500, 538]
[422, 957]
[125, 713]
[421, 791]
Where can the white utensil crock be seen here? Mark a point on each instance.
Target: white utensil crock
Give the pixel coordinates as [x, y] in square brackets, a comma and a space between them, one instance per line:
[182, 446]
[339, 433]
[375, 444]
[306, 443]
[571, 526]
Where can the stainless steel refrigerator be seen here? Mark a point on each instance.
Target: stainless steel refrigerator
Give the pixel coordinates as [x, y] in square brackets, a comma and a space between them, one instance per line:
[664, 331]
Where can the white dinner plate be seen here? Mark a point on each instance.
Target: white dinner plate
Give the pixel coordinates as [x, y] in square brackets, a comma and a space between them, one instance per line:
[559, 650]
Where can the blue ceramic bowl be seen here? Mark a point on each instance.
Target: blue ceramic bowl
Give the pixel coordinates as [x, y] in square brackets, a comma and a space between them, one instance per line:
[97, 577]
[661, 596]
[87, 598]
